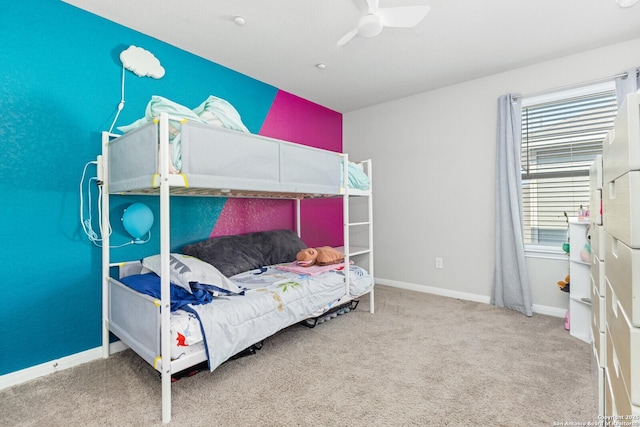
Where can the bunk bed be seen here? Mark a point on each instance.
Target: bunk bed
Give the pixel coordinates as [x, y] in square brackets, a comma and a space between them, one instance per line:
[217, 162]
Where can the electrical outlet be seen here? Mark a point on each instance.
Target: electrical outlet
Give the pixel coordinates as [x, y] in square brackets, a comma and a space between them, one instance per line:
[438, 262]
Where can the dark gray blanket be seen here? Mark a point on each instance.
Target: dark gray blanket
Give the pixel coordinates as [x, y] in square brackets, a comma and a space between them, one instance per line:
[243, 252]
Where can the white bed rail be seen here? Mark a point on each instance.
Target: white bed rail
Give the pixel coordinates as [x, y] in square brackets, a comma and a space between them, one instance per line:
[165, 239]
[103, 168]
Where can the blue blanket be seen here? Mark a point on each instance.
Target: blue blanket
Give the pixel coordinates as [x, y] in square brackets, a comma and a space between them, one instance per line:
[149, 284]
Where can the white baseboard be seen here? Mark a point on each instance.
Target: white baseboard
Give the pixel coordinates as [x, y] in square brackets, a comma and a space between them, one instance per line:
[28, 374]
[540, 309]
[549, 311]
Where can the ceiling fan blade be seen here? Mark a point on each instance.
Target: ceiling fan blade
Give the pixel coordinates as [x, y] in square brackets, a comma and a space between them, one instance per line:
[373, 6]
[403, 17]
[347, 37]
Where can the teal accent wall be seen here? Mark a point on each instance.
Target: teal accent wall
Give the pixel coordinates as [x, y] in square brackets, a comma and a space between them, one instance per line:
[59, 87]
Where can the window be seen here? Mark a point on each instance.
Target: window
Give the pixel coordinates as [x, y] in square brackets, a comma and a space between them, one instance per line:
[561, 135]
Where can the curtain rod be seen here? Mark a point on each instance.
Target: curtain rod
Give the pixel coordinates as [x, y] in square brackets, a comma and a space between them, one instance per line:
[576, 85]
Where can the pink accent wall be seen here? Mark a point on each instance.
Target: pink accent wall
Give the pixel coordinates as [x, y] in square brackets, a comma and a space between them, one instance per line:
[241, 216]
[294, 119]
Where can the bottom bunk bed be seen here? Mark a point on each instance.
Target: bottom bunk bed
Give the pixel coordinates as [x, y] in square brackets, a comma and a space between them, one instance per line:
[237, 292]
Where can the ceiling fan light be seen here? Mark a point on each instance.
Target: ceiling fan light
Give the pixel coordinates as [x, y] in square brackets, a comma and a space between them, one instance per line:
[626, 3]
[369, 26]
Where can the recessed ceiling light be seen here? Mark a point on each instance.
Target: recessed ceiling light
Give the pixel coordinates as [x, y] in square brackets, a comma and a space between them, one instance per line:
[239, 20]
[626, 3]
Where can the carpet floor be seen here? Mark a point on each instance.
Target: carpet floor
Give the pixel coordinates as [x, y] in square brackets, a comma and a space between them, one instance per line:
[420, 360]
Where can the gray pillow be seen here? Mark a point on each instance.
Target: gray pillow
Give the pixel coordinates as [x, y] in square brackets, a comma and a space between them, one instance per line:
[243, 252]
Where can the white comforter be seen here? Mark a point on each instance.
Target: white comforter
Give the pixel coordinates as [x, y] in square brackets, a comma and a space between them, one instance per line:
[273, 300]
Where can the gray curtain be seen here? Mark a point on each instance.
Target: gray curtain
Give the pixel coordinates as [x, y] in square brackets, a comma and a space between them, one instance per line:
[511, 281]
[627, 84]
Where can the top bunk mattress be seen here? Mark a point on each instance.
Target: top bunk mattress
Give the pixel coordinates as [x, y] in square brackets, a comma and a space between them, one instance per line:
[225, 161]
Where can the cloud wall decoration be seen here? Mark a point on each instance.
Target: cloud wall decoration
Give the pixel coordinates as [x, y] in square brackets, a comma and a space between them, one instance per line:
[141, 62]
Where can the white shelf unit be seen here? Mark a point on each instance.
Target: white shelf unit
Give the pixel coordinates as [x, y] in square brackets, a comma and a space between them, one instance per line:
[580, 271]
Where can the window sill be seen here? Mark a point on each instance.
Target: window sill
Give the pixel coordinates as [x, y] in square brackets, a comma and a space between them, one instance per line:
[546, 252]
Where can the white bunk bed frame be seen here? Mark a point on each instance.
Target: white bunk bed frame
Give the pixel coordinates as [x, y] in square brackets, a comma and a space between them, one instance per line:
[160, 181]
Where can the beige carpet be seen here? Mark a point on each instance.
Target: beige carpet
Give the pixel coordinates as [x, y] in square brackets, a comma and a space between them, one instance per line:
[420, 360]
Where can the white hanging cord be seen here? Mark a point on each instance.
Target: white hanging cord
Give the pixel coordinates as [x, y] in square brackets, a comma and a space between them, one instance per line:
[140, 242]
[134, 242]
[121, 104]
[86, 223]
[87, 226]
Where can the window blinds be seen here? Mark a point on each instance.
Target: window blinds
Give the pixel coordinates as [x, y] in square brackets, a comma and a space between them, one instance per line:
[560, 140]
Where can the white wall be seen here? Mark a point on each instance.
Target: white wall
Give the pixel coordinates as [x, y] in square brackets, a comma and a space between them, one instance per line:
[434, 159]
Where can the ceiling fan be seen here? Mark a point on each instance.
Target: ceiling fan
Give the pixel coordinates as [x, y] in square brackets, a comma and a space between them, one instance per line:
[372, 23]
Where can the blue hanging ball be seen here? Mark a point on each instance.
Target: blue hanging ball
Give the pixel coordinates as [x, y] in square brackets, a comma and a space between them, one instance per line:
[137, 219]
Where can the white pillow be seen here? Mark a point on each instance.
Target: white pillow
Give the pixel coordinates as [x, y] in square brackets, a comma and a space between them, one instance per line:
[189, 272]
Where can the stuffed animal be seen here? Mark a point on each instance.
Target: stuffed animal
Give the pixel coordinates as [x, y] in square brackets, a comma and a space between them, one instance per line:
[324, 255]
[565, 284]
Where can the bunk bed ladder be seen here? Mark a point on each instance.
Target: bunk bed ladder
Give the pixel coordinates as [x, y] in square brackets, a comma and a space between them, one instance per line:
[368, 222]
[367, 166]
[345, 220]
